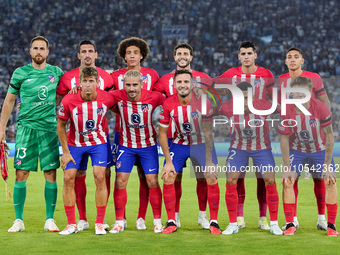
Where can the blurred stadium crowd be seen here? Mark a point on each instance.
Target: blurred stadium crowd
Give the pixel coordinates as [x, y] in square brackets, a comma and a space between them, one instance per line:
[214, 28]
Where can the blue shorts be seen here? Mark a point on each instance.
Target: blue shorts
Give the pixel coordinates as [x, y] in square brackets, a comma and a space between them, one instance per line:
[180, 153]
[315, 161]
[98, 154]
[237, 160]
[148, 156]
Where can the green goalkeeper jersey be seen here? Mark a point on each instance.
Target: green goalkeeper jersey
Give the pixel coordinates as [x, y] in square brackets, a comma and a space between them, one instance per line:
[37, 89]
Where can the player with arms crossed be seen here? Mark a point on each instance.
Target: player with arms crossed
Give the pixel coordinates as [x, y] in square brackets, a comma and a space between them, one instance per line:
[87, 54]
[294, 61]
[262, 81]
[137, 139]
[249, 139]
[86, 137]
[134, 51]
[308, 139]
[36, 129]
[184, 110]
[183, 54]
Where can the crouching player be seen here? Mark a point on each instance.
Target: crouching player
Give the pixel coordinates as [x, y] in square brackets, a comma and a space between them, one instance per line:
[185, 113]
[249, 139]
[307, 139]
[86, 137]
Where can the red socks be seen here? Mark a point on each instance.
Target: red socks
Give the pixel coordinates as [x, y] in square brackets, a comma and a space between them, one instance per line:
[289, 212]
[143, 198]
[202, 194]
[156, 202]
[169, 195]
[120, 199]
[213, 200]
[273, 201]
[70, 214]
[241, 192]
[80, 189]
[261, 197]
[231, 200]
[331, 212]
[100, 214]
[320, 192]
[178, 190]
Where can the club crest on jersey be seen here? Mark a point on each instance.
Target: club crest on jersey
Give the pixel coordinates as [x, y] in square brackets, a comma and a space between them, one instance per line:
[51, 78]
[194, 115]
[312, 123]
[89, 124]
[187, 127]
[258, 122]
[145, 107]
[248, 132]
[145, 79]
[135, 118]
[19, 161]
[257, 83]
[100, 111]
[304, 134]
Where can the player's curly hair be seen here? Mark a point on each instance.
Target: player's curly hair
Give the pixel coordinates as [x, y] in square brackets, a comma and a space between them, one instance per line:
[133, 41]
[88, 71]
[186, 46]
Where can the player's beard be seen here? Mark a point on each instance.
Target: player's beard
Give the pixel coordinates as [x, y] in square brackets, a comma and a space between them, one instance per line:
[187, 63]
[38, 59]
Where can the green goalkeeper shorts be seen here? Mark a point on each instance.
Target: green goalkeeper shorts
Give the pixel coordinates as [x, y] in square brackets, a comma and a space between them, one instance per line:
[32, 144]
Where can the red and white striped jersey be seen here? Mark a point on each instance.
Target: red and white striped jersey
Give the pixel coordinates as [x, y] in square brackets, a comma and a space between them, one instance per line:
[248, 131]
[166, 85]
[306, 135]
[71, 79]
[318, 87]
[262, 80]
[187, 120]
[137, 130]
[150, 77]
[88, 124]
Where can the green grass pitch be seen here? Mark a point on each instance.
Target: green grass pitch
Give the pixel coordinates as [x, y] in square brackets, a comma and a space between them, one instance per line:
[189, 239]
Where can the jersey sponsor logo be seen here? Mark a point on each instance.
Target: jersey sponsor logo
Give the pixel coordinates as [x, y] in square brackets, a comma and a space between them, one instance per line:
[78, 113]
[151, 170]
[51, 78]
[187, 127]
[312, 123]
[30, 79]
[101, 162]
[43, 93]
[174, 117]
[248, 132]
[145, 107]
[123, 105]
[135, 118]
[100, 111]
[194, 115]
[304, 134]
[89, 124]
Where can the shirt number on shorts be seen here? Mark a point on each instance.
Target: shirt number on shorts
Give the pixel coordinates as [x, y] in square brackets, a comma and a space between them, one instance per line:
[232, 154]
[23, 152]
[172, 154]
[120, 154]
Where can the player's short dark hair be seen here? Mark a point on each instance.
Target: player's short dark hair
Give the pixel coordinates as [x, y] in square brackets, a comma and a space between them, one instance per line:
[183, 71]
[295, 48]
[40, 38]
[88, 71]
[133, 41]
[247, 44]
[86, 42]
[186, 46]
[244, 85]
[301, 80]
[134, 74]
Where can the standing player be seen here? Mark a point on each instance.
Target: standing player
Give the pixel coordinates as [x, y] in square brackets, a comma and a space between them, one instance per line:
[36, 135]
[249, 139]
[262, 81]
[183, 54]
[87, 54]
[134, 51]
[86, 137]
[137, 139]
[185, 112]
[294, 61]
[308, 139]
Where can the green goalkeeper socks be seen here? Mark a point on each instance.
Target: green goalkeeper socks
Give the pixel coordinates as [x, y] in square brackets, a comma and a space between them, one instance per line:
[19, 197]
[51, 192]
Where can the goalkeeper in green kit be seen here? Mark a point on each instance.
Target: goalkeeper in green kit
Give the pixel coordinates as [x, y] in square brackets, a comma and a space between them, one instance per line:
[36, 136]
